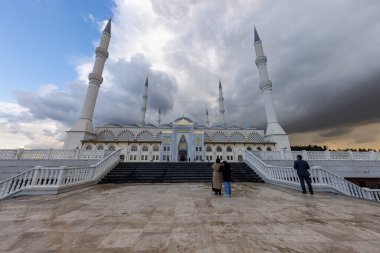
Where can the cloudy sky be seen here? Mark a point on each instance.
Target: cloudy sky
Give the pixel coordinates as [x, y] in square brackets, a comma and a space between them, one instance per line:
[323, 60]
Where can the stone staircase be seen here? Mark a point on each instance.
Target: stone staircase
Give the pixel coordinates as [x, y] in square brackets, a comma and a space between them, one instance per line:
[166, 172]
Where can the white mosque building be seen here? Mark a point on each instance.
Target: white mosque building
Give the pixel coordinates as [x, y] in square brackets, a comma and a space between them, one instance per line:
[182, 139]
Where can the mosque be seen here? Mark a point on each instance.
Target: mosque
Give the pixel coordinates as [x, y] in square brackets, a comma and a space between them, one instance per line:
[182, 139]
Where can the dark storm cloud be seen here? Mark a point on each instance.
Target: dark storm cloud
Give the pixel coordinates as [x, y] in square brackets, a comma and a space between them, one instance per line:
[121, 102]
[322, 60]
[335, 132]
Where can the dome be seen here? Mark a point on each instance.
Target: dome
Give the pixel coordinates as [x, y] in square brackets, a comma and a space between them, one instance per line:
[200, 127]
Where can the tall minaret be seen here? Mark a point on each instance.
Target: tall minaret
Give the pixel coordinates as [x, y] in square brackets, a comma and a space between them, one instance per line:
[83, 129]
[274, 131]
[143, 106]
[207, 120]
[221, 105]
[159, 118]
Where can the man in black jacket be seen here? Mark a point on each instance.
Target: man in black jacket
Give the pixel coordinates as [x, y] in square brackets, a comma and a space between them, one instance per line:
[227, 178]
[302, 168]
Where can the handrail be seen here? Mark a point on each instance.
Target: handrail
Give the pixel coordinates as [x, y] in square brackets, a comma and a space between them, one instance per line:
[321, 178]
[51, 154]
[319, 155]
[56, 178]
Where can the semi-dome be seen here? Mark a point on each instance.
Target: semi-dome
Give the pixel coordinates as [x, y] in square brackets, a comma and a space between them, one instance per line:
[166, 126]
[112, 125]
[149, 126]
[233, 127]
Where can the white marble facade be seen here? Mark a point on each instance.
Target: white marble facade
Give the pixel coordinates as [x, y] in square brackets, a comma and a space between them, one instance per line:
[182, 140]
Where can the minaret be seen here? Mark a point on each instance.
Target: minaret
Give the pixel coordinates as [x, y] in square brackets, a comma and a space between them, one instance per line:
[159, 118]
[83, 129]
[274, 131]
[221, 106]
[143, 106]
[207, 120]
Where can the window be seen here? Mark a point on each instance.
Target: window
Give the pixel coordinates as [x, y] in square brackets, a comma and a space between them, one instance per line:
[169, 148]
[218, 149]
[131, 157]
[89, 148]
[208, 149]
[100, 147]
[142, 158]
[229, 149]
[249, 148]
[258, 148]
[269, 149]
[200, 148]
[134, 148]
[156, 148]
[145, 148]
[112, 148]
[135, 157]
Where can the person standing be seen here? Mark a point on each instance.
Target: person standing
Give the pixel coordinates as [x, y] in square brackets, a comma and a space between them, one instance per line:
[227, 178]
[216, 177]
[302, 168]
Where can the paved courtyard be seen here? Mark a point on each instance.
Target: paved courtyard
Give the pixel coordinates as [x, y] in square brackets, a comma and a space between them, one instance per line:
[188, 218]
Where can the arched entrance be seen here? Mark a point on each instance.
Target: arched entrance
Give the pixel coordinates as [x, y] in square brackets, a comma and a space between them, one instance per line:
[182, 149]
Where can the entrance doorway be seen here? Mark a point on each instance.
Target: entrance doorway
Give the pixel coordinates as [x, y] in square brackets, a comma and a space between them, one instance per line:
[182, 149]
[240, 158]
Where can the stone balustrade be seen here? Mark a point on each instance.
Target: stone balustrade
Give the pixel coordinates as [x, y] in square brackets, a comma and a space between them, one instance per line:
[50, 180]
[49, 154]
[322, 179]
[318, 155]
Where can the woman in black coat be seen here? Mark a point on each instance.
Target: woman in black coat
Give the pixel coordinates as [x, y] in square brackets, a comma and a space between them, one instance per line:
[227, 177]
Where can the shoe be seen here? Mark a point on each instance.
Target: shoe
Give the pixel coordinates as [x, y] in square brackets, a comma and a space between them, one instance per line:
[304, 192]
[312, 193]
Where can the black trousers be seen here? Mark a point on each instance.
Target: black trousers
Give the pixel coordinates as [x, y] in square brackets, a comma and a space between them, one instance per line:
[308, 181]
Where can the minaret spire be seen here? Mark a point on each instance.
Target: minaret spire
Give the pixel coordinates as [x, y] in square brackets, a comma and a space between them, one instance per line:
[274, 131]
[221, 105]
[207, 120]
[143, 106]
[159, 118]
[83, 129]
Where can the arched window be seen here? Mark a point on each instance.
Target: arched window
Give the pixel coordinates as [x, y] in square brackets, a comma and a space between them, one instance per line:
[208, 149]
[258, 148]
[100, 147]
[269, 149]
[112, 148]
[218, 149]
[145, 148]
[134, 148]
[229, 149]
[249, 148]
[156, 148]
[89, 147]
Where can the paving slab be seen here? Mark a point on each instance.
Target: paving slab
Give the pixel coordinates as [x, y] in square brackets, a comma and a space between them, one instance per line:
[187, 217]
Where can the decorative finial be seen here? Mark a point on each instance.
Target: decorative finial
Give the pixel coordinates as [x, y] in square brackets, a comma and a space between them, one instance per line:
[220, 84]
[107, 29]
[146, 82]
[257, 38]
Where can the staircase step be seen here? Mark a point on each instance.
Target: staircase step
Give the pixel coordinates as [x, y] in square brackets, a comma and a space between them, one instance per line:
[165, 172]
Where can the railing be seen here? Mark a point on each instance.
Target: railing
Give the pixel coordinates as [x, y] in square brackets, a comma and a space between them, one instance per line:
[318, 155]
[50, 154]
[321, 178]
[53, 179]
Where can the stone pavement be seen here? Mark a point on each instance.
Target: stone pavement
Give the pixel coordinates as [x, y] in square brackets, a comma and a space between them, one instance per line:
[188, 218]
